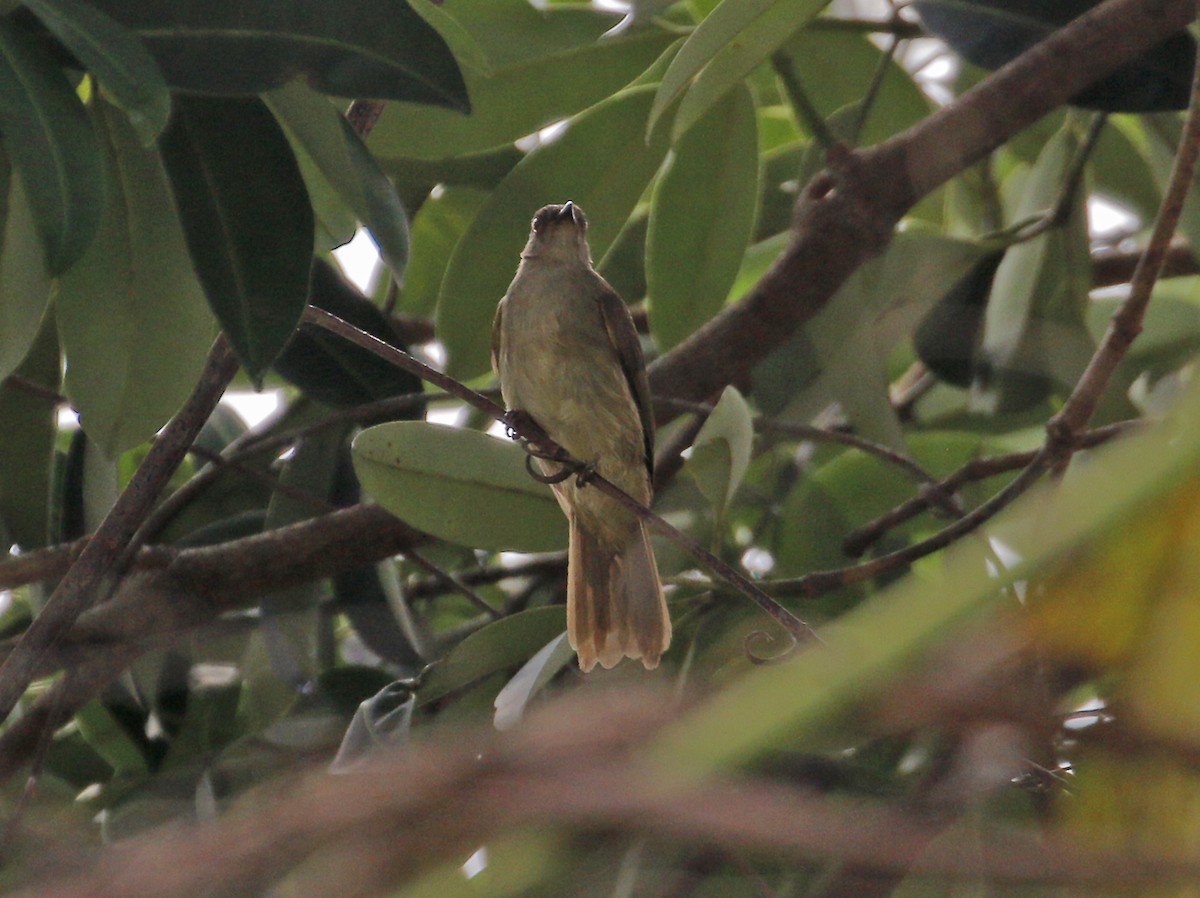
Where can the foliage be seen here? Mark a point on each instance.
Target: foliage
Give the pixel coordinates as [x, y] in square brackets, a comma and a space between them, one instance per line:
[995, 660]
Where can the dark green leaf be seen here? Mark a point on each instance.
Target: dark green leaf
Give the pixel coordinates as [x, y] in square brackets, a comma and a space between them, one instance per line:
[132, 355]
[344, 161]
[459, 485]
[247, 218]
[991, 32]
[701, 219]
[602, 162]
[116, 57]
[381, 721]
[948, 336]
[355, 48]
[329, 368]
[27, 444]
[53, 147]
[24, 285]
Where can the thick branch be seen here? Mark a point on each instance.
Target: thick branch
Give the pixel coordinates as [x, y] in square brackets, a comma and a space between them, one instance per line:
[846, 216]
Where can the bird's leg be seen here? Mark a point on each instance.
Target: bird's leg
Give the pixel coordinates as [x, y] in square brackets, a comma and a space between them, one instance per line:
[518, 422]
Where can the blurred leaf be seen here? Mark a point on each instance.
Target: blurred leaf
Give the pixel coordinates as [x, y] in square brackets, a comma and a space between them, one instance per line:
[546, 73]
[110, 741]
[24, 286]
[132, 358]
[328, 367]
[27, 444]
[343, 159]
[1034, 337]
[721, 450]
[624, 265]
[53, 146]
[991, 32]
[879, 305]
[436, 230]
[702, 212]
[723, 49]
[459, 485]
[382, 721]
[117, 58]
[247, 218]
[1159, 144]
[355, 48]
[495, 647]
[602, 163]
[534, 674]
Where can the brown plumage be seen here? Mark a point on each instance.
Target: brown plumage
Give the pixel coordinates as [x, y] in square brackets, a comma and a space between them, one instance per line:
[568, 356]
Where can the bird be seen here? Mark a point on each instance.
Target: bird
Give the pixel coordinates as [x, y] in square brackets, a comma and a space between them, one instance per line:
[568, 358]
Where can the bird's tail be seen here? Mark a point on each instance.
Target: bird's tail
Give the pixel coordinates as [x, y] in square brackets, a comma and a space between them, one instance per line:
[615, 604]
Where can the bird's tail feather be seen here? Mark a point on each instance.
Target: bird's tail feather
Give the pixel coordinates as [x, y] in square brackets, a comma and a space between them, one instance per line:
[615, 604]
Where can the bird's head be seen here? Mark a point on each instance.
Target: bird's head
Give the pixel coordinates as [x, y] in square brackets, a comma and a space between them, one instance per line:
[558, 233]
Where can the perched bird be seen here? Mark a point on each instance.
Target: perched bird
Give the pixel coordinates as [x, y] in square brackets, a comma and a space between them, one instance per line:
[568, 357]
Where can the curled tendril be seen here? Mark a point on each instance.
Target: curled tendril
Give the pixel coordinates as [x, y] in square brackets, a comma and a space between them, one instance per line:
[763, 637]
[545, 478]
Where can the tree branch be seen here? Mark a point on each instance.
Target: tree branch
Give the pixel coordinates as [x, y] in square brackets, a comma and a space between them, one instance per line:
[846, 215]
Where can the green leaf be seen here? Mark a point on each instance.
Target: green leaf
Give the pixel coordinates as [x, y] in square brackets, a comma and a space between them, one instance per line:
[53, 146]
[382, 721]
[27, 444]
[134, 325]
[458, 485]
[343, 159]
[602, 163]
[247, 218]
[877, 307]
[724, 48]
[701, 219]
[328, 367]
[496, 647]
[1159, 145]
[24, 286]
[355, 48]
[512, 700]
[1034, 335]
[436, 230]
[110, 741]
[116, 57]
[519, 98]
[721, 450]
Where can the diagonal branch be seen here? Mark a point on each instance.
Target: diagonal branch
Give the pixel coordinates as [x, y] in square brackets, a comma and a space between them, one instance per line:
[847, 214]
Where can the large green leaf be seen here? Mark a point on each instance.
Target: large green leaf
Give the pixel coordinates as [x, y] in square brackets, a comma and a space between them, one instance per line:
[116, 57]
[560, 72]
[602, 162]
[134, 324]
[53, 146]
[342, 158]
[721, 450]
[1034, 336]
[354, 48]
[247, 218]
[459, 485]
[437, 228]
[24, 285]
[701, 219]
[27, 445]
[727, 45]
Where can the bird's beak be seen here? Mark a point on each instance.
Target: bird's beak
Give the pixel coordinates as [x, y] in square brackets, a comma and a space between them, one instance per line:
[568, 211]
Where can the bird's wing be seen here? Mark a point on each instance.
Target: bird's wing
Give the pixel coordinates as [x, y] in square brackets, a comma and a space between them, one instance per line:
[624, 339]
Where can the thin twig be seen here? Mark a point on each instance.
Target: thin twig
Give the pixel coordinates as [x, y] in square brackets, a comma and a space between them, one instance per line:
[1126, 323]
[808, 116]
[455, 584]
[858, 541]
[794, 626]
[83, 584]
